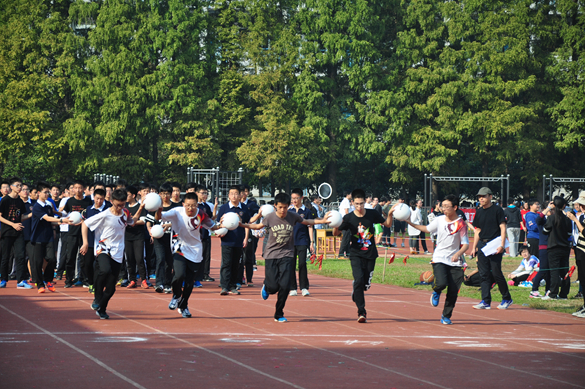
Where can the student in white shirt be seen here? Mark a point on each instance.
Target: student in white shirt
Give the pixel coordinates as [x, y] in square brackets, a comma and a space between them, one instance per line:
[109, 227]
[452, 242]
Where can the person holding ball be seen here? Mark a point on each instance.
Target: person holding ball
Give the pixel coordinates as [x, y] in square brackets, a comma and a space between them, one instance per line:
[363, 252]
[452, 243]
[280, 249]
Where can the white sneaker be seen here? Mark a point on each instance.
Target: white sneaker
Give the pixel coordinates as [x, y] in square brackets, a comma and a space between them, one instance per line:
[306, 292]
[292, 293]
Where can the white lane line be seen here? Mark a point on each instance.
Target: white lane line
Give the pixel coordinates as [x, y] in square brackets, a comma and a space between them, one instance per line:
[88, 356]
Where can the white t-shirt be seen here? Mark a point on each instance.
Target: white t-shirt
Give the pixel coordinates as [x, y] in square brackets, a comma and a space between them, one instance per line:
[63, 227]
[186, 237]
[109, 232]
[450, 237]
[416, 218]
[345, 205]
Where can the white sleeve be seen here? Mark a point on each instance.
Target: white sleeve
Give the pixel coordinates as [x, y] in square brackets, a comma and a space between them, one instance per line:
[433, 226]
[170, 215]
[463, 234]
[93, 222]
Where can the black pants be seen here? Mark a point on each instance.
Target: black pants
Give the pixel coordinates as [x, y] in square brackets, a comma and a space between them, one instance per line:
[88, 265]
[301, 254]
[134, 251]
[558, 260]
[363, 271]
[149, 256]
[449, 277]
[580, 261]
[423, 242]
[105, 280]
[164, 261]
[8, 244]
[345, 242]
[543, 272]
[42, 251]
[533, 246]
[185, 272]
[72, 245]
[206, 262]
[250, 258]
[491, 267]
[277, 281]
[230, 262]
[62, 255]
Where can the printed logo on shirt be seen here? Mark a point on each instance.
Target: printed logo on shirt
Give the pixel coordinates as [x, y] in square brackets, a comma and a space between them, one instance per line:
[364, 235]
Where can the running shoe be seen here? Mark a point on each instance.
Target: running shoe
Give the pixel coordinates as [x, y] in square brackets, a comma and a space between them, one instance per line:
[102, 315]
[174, 302]
[581, 314]
[119, 282]
[91, 289]
[525, 284]
[159, 289]
[505, 304]
[435, 299]
[85, 284]
[23, 285]
[238, 286]
[168, 290]
[144, 284]
[579, 311]
[198, 284]
[281, 320]
[185, 312]
[250, 285]
[445, 320]
[482, 305]
[579, 295]
[41, 290]
[234, 291]
[264, 293]
[535, 294]
[68, 285]
[50, 286]
[305, 292]
[95, 306]
[131, 285]
[362, 319]
[224, 292]
[124, 283]
[208, 279]
[78, 283]
[152, 277]
[292, 293]
[2, 284]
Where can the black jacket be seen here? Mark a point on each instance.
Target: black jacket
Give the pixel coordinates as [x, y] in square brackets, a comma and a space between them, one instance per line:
[558, 235]
[513, 217]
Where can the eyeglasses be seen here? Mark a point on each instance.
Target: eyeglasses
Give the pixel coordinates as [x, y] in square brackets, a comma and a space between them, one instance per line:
[189, 206]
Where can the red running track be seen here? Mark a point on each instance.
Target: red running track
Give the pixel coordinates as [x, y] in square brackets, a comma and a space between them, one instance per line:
[56, 340]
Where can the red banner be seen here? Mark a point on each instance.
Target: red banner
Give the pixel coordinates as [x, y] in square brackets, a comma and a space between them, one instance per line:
[469, 213]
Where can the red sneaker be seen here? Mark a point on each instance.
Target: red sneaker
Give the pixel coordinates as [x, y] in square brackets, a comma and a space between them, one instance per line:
[41, 290]
[50, 286]
[131, 285]
[144, 285]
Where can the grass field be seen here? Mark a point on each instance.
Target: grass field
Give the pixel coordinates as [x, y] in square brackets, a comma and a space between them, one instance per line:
[407, 275]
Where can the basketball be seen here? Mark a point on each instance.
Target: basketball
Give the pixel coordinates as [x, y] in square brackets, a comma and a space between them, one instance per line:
[427, 277]
[335, 218]
[401, 212]
[75, 217]
[266, 209]
[230, 221]
[152, 202]
[221, 232]
[157, 231]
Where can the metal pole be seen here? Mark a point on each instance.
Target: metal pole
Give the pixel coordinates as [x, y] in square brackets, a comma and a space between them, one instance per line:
[431, 190]
[550, 195]
[501, 190]
[543, 188]
[508, 190]
[425, 193]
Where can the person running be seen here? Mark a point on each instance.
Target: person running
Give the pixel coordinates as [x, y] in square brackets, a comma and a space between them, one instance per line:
[279, 251]
[490, 224]
[452, 243]
[12, 214]
[362, 253]
[109, 227]
[99, 205]
[187, 221]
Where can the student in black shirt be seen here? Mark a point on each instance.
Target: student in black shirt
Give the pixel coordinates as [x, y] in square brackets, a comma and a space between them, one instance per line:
[76, 203]
[202, 193]
[490, 224]
[134, 242]
[12, 213]
[363, 252]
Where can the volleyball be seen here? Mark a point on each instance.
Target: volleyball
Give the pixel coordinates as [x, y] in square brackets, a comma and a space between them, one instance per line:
[335, 219]
[157, 231]
[75, 217]
[266, 209]
[230, 221]
[152, 202]
[401, 212]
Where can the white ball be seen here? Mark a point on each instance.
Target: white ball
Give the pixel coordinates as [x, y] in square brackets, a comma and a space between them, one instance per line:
[157, 231]
[335, 218]
[221, 231]
[152, 202]
[266, 209]
[401, 212]
[75, 217]
[230, 221]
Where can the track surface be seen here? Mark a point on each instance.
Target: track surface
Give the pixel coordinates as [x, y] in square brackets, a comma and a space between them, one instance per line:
[232, 341]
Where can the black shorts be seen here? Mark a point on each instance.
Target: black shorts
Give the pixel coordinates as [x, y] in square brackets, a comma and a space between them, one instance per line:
[399, 226]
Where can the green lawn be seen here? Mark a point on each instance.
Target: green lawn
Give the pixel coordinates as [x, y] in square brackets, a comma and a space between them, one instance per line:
[407, 275]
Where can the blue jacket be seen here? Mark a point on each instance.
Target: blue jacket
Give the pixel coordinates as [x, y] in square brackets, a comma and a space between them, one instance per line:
[531, 219]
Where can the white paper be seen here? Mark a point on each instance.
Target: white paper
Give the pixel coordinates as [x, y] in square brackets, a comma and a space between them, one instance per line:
[492, 246]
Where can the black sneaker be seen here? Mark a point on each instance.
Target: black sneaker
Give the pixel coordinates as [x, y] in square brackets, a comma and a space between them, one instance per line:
[102, 315]
[68, 285]
[224, 292]
[95, 306]
[208, 279]
[159, 289]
